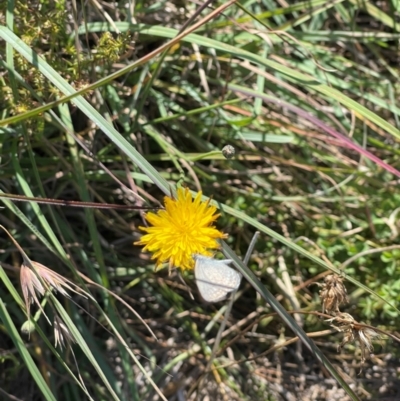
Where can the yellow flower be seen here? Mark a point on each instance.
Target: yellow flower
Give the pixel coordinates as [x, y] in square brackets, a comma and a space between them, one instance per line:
[183, 229]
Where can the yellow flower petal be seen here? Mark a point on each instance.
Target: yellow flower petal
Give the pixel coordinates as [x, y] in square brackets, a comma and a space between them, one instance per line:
[184, 228]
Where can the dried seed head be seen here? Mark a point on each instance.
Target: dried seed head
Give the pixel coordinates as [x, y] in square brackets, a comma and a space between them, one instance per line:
[343, 322]
[30, 285]
[52, 279]
[333, 293]
[62, 335]
[36, 279]
[354, 331]
[364, 335]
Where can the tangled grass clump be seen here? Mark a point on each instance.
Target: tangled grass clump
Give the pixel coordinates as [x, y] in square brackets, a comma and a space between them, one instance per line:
[285, 117]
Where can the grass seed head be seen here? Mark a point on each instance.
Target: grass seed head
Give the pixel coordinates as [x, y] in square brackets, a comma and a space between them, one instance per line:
[36, 279]
[333, 294]
[62, 335]
[52, 279]
[31, 286]
[354, 331]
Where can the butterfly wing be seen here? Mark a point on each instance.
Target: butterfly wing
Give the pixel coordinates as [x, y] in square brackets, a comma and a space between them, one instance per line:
[215, 279]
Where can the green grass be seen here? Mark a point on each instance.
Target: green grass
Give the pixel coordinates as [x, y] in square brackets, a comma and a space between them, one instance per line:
[101, 105]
